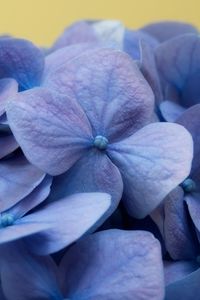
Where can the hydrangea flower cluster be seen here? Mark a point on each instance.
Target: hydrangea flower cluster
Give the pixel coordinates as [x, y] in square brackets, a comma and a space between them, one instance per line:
[99, 164]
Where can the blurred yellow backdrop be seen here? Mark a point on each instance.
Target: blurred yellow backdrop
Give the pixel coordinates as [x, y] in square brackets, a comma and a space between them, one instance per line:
[43, 20]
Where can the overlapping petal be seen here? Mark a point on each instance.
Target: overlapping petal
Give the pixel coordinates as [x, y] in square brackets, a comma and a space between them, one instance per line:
[93, 173]
[37, 196]
[132, 41]
[185, 289]
[66, 221]
[8, 88]
[171, 111]
[166, 30]
[181, 67]
[26, 276]
[122, 265]
[190, 119]
[18, 178]
[179, 234]
[21, 60]
[59, 224]
[148, 68]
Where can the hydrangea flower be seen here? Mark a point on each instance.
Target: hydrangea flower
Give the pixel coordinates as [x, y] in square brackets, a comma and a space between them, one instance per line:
[105, 33]
[95, 128]
[178, 63]
[166, 30]
[178, 216]
[18, 179]
[112, 264]
[55, 225]
[23, 66]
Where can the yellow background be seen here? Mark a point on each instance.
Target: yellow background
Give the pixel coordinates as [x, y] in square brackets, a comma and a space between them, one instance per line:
[43, 20]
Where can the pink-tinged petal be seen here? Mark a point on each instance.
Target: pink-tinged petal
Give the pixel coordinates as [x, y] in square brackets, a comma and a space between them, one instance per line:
[184, 289]
[66, 221]
[52, 129]
[25, 276]
[8, 88]
[79, 32]
[110, 88]
[39, 194]
[193, 205]
[93, 173]
[122, 265]
[175, 271]
[21, 60]
[18, 178]
[171, 111]
[190, 119]
[166, 30]
[8, 144]
[153, 161]
[179, 240]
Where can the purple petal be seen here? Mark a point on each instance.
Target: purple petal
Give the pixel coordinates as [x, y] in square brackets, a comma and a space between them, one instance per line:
[181, 66]
[79, 32]
[177, 228]
[152, 162]
[175, 271]
[166, 30]
[171, 111]
[8, 88]
[92, 173]
[190, 119]
[8, 144]
[60, 57]
[54, 131]
[193, 205]
[132, 40]
[185, 289]
[21, 60]
[20, 230]
[149, 69]
[18, 178]
[66, 221]
[122, 265]
[25, 276]
[158, 216]
[104, 81]
[39, 194]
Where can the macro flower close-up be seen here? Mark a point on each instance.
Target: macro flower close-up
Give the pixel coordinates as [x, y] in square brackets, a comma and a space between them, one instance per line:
[99, 150]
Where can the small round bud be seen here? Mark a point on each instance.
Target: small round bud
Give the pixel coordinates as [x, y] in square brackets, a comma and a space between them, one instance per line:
[100, 142]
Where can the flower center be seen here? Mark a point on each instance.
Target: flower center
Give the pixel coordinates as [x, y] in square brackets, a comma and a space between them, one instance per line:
[100, 142]
[188, 185]
[6, 220]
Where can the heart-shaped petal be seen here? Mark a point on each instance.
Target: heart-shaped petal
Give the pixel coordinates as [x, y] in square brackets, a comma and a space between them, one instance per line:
[122, 265]
[153, 161]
